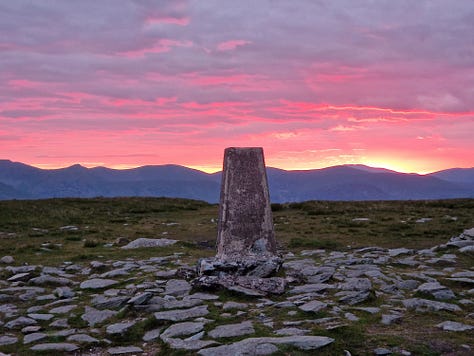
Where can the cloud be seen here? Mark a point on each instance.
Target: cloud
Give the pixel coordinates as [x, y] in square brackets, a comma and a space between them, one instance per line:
[302, 77]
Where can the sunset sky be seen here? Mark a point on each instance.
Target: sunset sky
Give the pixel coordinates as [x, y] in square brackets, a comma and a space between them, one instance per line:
[316, 83]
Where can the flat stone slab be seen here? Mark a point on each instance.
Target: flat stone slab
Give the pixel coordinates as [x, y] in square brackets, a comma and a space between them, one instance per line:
[94, 316]
[122, 350]
[425, 305]
[254, 346]
[119, 328]
[454, 326]
[56, 346]
[146, 243]
[232, 330]
[313, 306]
[182, 329]
[182, 314]
[8, 340]
[97, 283]
[29, 338]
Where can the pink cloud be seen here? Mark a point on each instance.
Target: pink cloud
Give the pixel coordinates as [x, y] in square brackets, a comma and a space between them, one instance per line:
[231, 45]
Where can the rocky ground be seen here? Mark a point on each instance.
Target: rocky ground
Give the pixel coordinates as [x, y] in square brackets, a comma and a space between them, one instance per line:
[150, 306]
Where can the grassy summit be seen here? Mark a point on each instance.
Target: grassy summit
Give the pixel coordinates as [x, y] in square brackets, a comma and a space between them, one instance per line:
[54, 230]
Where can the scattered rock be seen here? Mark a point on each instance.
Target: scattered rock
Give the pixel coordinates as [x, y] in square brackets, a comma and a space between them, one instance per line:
[182, 314]
[60, 346]
[454, 326]
[122, 350]
[147, 243]
[97, 283]
[232, 330]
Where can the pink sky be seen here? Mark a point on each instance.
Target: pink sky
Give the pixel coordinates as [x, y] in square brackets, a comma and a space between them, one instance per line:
[316, 83]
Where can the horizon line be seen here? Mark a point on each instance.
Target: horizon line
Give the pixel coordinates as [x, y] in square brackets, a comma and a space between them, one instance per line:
[213, 170]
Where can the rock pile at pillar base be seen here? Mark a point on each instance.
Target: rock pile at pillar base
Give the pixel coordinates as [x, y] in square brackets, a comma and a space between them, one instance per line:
[250, 276]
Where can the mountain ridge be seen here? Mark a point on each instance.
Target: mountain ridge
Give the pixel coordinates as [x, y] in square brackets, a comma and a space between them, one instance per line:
[343, 182]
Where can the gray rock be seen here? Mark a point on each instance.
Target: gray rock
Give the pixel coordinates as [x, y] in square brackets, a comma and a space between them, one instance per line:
[234, 305]
[188, 344]
[101, 302]
[353, 298]
[60, 346]
[82, 339]
[388, 319]
[28, 339]
[140, 298]
[94, 316]
[467, 249]
[20, 322]
[64, 292]
[8, 340]
[454, 326]
[38, 316]
[182, 329]
[355, 284]
[424, 305]
[20, 277]
[436, 290]
[145, 242]
[291, 331]
[63, 309]
[310, 288]
[380, 351]
[119, 328]
[46, 279]
[60, 323]
[184, 303]
[182, 314]
[399, 251]
[121, 350]
[152, 335]
[177, 287]
[253, 345]
[97, 283]
[313, 306]
[232, 330]
[8, 260]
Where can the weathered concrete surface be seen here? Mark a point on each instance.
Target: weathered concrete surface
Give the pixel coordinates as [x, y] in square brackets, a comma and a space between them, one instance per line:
[245, 217]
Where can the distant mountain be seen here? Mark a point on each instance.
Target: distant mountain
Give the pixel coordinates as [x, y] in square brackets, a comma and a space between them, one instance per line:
[349, 182]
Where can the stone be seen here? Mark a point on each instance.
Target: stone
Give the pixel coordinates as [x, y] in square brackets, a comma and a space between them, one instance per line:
[355, 284]
[97, 283]
[82, 339]
[189, 344]
[436, 290]
[313, 306]
[182, 329]
[394, 252]
[94, 316]
[102, 302]
[8, 340]
[152, 335]
[140, 298]
[182, 314]
[454, 326]
[245, 227]
[381, 351]
[64, 292]
[39, 316]
[234, 305]
[59, 346]
[122, 350]
[8, 260]
[65, 309]
[388, 319]
[147, 243]
[28, 339]
[20, 322]
[119, 328]
[253, 345]
[177, 287]
[232, 330]
[425, 305]
[20, 277]
[467, 249]
[353, 298]
[46, 279]
[310, 288]
[291, 331]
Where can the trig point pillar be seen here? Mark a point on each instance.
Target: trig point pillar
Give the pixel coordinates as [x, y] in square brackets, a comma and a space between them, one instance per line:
[245, 228]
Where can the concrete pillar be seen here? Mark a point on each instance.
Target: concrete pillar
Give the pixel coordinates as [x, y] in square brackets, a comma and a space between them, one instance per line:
[245, 229]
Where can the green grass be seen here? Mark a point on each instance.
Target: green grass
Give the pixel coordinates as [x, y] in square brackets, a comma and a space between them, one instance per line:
[26, 227]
